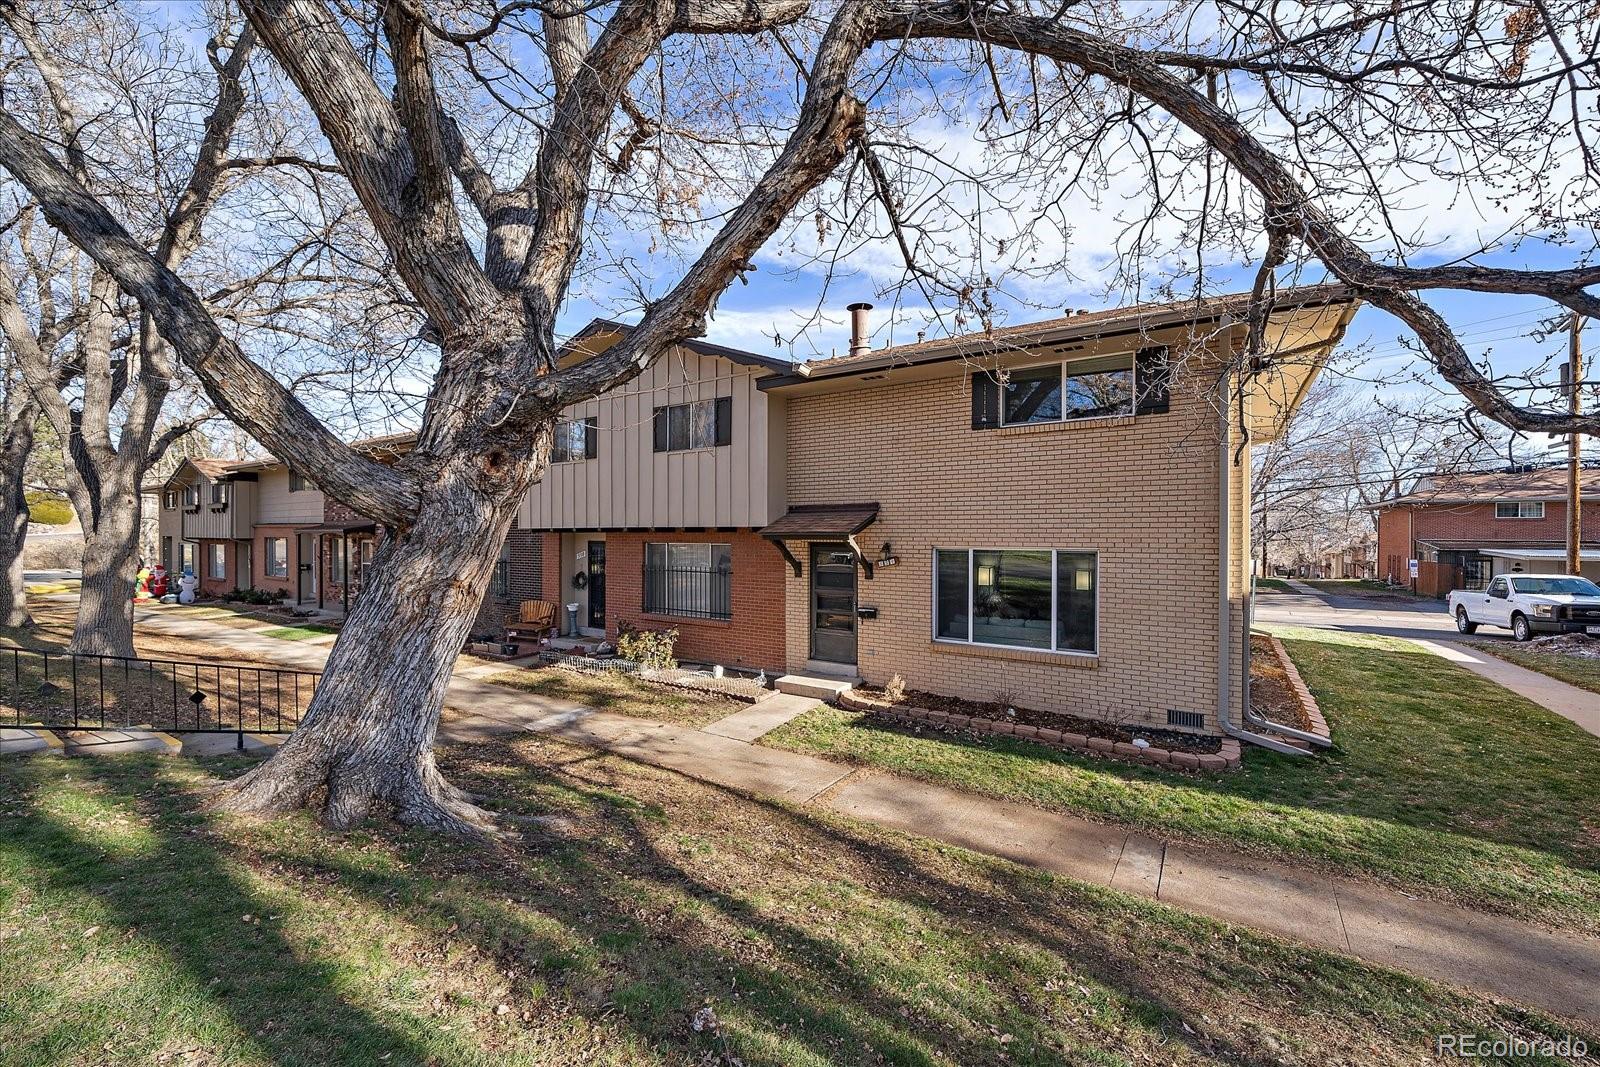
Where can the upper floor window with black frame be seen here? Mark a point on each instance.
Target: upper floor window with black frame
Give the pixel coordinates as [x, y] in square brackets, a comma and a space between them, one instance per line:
[299, 483]
[169, 500]
[1076, 389]
[576, 439]
[700, 424]
[219, 493]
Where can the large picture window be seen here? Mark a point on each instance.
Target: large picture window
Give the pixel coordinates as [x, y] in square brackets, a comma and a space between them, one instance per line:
[1059, 392]
[1040, 599]
[277, 557]
[692, 580]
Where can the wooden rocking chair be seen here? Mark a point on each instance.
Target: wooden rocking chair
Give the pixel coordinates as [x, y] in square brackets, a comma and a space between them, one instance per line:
[533, 620]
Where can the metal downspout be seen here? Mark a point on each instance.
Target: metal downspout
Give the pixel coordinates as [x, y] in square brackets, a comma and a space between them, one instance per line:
[1224, 570]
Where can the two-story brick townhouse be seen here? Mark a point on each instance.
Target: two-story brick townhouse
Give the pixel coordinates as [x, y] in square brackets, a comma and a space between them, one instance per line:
[1463, 529]
[650, 510]
[242, 524]
[207, 511]
[1053, 514]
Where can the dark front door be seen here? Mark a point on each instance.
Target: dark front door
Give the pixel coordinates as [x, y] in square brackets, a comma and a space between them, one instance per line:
[833, 603]
[597, 584]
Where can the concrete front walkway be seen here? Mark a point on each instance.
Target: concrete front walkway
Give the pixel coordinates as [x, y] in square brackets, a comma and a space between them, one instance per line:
[1556, 972]
[1568, 701]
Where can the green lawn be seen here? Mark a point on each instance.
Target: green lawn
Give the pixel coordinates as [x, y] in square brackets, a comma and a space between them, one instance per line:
[1574, 670]
[1277, 585]
[622, 694]
[135, 928]
[298, 632]
[1442, 783]
[1364, 587]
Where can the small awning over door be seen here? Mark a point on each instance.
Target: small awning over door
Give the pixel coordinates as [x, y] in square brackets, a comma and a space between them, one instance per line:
[822, 522]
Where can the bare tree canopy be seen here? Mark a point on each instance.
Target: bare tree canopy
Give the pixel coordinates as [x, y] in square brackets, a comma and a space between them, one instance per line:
[506, 157]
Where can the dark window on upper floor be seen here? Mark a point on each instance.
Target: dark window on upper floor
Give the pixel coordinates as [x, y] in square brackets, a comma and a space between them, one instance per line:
[576, 439]
[700, 424]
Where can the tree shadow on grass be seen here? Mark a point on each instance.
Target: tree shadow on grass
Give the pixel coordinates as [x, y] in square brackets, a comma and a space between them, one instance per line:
[180, 893]
[843, 956]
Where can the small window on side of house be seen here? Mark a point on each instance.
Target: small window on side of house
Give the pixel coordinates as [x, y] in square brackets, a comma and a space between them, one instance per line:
[1519, 509]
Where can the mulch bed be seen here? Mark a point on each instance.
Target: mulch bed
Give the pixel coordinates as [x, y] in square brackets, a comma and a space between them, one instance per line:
[1271, 695]
[1050, 720]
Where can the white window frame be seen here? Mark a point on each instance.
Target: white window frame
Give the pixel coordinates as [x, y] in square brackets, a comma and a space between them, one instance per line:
[266, 557]
[1524, 507]
[1061, 368]
[216, 560]
[1055, 601]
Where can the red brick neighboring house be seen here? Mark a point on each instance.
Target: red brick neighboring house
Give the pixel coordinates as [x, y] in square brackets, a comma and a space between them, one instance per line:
[1463, 529]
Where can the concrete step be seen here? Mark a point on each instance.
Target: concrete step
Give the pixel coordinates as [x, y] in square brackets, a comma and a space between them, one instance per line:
[115, 742]
[25, 741]
[802, 685]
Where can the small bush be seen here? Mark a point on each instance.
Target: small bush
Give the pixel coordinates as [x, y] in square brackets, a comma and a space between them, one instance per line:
[251, 595]
[47, 509]
[649, 648]
[894, 691]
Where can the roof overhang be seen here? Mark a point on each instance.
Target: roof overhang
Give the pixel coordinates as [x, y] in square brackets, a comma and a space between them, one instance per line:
[602, 334]
[822, 522]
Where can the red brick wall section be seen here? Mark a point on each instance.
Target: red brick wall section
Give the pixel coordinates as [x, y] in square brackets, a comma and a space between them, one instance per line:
[215, 586]
[259, 577]
[752, 639]
[548, 546]
[1394, 544]
[1471, 522]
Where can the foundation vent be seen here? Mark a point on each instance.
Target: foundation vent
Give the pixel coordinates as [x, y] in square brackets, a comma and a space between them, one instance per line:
[1195, 720]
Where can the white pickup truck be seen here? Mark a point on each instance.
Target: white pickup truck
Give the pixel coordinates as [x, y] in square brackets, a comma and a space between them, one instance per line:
[1527, 604]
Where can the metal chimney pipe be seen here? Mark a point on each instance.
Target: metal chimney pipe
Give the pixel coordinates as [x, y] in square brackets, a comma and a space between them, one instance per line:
[860, 345]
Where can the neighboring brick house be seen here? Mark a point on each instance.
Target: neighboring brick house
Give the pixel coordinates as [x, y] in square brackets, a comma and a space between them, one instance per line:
[1463, 529]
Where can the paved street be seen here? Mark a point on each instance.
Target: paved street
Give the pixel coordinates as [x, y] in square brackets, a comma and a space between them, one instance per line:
[1357, 614]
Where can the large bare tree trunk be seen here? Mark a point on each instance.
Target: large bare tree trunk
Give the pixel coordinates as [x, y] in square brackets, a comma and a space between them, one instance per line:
[13, 534]
[366, 743]
[110, 568]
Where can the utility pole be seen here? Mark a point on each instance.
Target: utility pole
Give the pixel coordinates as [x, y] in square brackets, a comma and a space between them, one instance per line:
[1574, 449]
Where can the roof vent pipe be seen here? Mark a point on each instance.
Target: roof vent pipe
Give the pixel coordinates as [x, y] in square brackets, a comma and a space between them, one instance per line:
[859, 344]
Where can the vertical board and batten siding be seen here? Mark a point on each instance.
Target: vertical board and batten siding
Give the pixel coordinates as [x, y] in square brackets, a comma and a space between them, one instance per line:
[214, 524]
[276, 506]
[628, 485]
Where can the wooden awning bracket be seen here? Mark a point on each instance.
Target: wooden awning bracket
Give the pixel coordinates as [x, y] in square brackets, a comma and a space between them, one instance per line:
[861, 557]
[784, 549]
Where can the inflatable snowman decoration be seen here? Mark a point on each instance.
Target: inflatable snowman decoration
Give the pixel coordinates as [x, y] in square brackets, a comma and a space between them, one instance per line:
[186, 587]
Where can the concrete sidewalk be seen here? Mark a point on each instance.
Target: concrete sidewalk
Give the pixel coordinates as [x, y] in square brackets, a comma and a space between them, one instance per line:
[1558, 973]
[1568, 701]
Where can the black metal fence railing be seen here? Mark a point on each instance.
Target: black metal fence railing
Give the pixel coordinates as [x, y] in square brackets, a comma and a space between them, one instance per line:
[692, 592]
[67, 690]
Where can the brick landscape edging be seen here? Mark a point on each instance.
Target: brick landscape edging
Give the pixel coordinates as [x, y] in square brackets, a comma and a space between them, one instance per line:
[1302, 693]
[1227, 758]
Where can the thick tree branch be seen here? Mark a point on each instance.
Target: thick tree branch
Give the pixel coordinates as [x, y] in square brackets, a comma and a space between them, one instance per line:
[388, 154]
[1286, 202]
[250, 396]
[829, 120]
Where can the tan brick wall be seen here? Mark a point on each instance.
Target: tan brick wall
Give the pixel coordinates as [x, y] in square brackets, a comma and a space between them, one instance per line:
[1141, 492]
